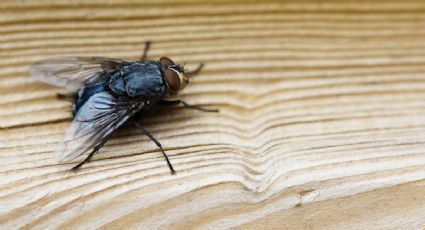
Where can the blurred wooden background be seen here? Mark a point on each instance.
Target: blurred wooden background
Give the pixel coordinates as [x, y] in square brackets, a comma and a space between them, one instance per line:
[322, 122]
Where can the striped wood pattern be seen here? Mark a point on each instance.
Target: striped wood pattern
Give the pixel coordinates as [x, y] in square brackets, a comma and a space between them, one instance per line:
[322, 120]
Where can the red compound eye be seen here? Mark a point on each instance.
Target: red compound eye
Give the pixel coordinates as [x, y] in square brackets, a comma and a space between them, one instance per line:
[173, 79]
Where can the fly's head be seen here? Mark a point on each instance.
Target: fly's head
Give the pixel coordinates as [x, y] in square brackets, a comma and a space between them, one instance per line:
[174, 75]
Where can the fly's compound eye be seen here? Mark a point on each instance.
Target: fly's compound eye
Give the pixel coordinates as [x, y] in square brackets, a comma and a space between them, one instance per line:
[166, 61]
[173, 79]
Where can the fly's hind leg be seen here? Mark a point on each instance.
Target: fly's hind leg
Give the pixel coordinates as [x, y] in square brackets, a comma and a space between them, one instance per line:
[147, 133]
[145, 51]
[90, 156]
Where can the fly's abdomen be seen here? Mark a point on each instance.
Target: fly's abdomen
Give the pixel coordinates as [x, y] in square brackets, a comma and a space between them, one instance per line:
[84, 93]
[138, 80]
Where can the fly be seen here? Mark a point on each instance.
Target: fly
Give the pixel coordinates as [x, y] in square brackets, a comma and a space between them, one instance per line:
[108, 93]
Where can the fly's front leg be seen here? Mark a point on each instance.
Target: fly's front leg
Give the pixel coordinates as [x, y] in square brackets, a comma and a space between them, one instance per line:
[145, 51]
[177, 102]
[196, 71]
[147, 133]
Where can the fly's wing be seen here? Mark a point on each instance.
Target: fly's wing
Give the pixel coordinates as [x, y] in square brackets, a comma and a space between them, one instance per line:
[95, 121]
[73, 72]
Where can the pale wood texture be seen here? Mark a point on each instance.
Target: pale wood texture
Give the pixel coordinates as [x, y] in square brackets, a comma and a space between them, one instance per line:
[322, 121]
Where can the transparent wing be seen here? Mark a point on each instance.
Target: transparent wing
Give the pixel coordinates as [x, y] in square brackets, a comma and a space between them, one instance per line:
[73, 72]
[96, 120]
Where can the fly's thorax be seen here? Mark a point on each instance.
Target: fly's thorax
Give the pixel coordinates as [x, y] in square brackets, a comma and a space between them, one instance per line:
[138, 80]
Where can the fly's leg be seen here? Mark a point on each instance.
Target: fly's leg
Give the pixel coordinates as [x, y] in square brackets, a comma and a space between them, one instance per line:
[146, 132]
[66, 97]
[89, 157]
[145, 51]
[176, 102]
[195, 71]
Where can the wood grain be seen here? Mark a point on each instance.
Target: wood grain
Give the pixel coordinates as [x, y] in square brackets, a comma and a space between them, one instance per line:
[321, 123]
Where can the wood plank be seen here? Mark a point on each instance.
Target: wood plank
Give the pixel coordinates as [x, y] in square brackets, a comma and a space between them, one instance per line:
[321, 122]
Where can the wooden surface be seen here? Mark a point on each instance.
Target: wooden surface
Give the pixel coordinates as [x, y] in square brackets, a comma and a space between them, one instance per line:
[322, 122]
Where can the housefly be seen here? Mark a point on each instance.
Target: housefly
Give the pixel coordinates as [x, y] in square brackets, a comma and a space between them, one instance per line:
[110, 92]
